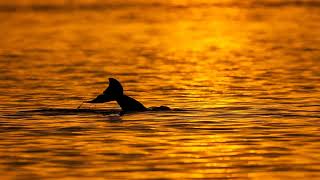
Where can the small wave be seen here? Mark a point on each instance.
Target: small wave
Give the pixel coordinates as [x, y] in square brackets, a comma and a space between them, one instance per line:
[64, 111]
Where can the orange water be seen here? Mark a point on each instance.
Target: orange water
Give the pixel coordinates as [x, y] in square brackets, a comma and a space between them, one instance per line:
[247, 78]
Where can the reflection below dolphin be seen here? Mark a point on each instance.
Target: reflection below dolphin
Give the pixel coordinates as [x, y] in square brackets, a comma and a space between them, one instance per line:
[65, 111]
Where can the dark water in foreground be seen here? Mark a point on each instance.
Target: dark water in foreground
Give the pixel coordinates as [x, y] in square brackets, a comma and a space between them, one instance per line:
[247, 79]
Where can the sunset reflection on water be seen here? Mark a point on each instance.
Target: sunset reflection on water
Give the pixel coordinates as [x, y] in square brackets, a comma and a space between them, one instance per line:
[243, 76]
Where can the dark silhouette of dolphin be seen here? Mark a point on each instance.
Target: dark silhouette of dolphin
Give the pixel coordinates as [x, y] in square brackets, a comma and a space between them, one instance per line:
[114, 92]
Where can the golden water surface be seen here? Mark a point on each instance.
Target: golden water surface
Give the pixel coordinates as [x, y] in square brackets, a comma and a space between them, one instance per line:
[245, 78]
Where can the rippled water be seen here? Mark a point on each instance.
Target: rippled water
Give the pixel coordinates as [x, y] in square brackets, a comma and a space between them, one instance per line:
[247, 80]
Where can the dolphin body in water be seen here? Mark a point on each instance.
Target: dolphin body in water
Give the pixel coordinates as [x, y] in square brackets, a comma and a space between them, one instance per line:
[114, 92]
